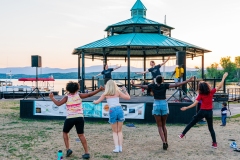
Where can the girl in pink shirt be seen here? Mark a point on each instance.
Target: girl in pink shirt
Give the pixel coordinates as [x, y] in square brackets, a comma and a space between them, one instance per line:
[75, 116]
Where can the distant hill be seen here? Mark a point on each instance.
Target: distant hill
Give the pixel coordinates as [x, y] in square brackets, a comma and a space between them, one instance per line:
[97, 68]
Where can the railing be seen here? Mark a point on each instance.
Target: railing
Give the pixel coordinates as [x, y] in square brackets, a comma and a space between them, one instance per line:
[93, 84]
[233, 94]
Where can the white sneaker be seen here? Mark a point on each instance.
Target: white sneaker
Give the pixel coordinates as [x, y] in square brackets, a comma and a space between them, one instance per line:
[120, 149]
[117, 149]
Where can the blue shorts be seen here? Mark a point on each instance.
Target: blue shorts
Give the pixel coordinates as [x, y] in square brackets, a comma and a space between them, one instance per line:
[160, 108]
[116, 115]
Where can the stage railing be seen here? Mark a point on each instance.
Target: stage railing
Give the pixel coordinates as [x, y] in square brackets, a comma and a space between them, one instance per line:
[94, 83]
[234, 94]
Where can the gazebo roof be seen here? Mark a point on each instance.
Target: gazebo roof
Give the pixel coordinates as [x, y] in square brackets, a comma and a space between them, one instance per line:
[136, 41]
[137, 20]
[145, 37]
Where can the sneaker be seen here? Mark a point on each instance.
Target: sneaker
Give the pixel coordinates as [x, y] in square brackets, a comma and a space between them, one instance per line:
[116, 150]
[165, 146]
[86, 156]
[214, 145]
[69, 152]
[181, 136]
[120, 149]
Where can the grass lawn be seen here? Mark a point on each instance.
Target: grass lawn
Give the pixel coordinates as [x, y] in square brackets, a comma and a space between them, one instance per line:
[23, 139]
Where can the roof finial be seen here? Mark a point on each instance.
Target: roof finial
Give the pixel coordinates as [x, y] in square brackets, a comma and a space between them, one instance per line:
[138, 9]
[165, 19]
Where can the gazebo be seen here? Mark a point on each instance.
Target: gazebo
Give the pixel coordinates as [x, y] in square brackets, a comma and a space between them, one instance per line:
[137, 37]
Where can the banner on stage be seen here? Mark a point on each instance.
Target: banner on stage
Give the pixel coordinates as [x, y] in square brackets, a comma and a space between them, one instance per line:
[131, 110]
[101, 110]
[48, 108]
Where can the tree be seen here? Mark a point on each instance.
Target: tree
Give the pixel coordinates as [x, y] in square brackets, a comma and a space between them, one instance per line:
[198, 72]
[237, 62]
[228, 66]
[213, 71]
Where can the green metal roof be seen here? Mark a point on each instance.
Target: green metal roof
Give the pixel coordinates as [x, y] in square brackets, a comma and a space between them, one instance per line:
[138, 5]
[137, 20]
[138, 39]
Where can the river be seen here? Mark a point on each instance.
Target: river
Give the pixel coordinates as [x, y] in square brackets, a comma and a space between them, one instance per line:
[58, 84]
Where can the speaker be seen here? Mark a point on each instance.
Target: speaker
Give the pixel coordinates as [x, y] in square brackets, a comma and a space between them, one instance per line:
[181, 58]
[36, 61]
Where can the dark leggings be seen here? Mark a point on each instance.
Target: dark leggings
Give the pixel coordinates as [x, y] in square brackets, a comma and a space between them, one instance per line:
[208, 115]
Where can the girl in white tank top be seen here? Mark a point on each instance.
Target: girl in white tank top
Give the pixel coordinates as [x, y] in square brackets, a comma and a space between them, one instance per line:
[116, 115]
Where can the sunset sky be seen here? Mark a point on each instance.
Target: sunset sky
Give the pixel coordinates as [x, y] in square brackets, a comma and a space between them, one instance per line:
[53, 28]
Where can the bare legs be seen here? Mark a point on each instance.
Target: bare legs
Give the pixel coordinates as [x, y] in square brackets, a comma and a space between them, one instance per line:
[84, 142]
[161, 124]
[66, 140]
[117, 136]
[82, 139]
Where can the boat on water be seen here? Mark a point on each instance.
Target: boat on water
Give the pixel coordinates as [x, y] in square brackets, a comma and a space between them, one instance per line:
[9, 90]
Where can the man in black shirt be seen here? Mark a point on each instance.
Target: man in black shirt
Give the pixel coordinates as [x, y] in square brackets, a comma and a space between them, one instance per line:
[107, 73]
[155, 69]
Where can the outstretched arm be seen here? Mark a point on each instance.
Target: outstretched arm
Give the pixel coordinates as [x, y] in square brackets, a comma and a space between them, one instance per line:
[98, 75]
[124, 94]
[221, 83]
[188, 107]
[100, 99]
[58, 103]
[181, 83]
[142, 72]
[139, 85]
[85, 95]
[117, 67]
[164, 62]
[173, 73]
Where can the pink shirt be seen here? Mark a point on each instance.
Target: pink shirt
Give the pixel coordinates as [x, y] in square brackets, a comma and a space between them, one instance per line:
[74, 106]
[206, 100]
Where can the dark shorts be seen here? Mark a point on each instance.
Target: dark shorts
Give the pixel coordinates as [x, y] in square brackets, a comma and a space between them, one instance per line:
[106, 80]
[78, 122]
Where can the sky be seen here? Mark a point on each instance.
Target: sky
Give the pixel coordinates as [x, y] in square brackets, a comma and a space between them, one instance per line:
[52, 29]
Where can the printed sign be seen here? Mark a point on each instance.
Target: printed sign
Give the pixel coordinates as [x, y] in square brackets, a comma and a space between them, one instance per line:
[131, 110]
[48, 108]
[92, 110]
[101, 110]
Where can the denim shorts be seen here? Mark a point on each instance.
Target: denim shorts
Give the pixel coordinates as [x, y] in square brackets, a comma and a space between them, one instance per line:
[116, 115]
[160, 107]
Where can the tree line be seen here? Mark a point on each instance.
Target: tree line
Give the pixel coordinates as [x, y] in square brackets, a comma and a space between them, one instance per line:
[233, 69]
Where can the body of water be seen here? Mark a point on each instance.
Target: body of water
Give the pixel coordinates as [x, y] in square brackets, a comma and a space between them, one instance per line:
[58, 84]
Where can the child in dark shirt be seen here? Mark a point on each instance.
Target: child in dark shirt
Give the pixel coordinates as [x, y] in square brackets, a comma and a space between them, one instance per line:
[224, 113]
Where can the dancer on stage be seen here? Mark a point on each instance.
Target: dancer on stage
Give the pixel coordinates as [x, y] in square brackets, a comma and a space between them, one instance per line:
[116, 115]
[107, 73]
[74, 114]
[179, 71]
[155, 69]
[205, 95]
[160, 105]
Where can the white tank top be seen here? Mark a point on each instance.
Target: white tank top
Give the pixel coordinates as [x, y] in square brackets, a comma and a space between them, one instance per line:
[113, 102]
